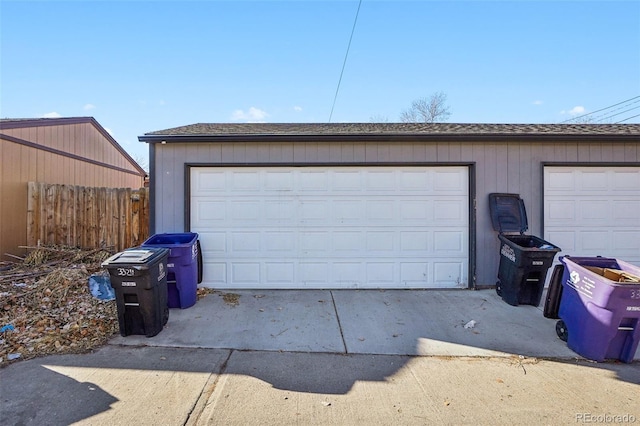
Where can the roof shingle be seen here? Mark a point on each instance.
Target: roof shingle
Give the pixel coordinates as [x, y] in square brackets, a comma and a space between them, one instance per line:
[434, 129]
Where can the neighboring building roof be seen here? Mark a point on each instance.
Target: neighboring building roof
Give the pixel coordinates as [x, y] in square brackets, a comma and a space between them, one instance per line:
[20, 123]
[389, 131]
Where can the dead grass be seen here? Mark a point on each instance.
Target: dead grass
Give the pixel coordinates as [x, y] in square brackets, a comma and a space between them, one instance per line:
[46, 306]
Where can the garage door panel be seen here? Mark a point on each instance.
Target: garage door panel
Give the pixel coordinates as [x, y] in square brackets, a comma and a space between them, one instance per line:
[278, 211]
[415, 241]
[448, 181]
[209, 211]
[283, 243]
[348, 212]
[381, 180]
[627, 211]
[314, 181]
[381, 242]
[282, 273]
[416, 210]
[594, 241]
[210, 182]
[380, 210]
[213, 243]
[559, 212]
[448, 243]
[346, 181]
[348, 274]
[414, 180]
[593, 211]
[314, 273]
[313, 211]
[559, 181]
[448, 274]
[566, 240]
[277, 181]
[342, 227]
[245, 272]
[451, 212]
[216, 273]
[627, 240]
[242, 241]
[243, 211]
[381, 274]
[314, 243]
[593, 181]
[414, 274]
[626, 181]
[346, 242]
[243, 181]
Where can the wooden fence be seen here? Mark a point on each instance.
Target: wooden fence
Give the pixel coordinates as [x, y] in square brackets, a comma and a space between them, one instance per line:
[76, 216]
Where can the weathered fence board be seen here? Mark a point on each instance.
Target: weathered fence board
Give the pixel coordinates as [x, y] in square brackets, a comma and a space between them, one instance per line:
[87, 217]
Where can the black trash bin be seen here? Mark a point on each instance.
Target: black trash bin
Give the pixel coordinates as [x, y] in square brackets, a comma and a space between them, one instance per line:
[139, 278]
[524, 259]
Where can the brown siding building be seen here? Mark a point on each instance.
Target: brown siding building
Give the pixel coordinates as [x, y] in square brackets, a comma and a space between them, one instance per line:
[72, 151]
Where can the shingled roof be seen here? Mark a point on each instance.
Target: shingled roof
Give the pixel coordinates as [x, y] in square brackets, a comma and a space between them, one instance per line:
[387, 131]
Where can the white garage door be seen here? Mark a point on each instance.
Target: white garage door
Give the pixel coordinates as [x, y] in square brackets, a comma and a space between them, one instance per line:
[593, 211]
[336, 227]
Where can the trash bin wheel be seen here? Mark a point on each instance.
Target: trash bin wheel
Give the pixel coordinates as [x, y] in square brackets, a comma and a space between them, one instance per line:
[498, 288]
[561, 330]
[200, 265]
[165, 316]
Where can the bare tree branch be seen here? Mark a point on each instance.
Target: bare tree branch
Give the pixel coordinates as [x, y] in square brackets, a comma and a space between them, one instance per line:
[142, 161]
[378, 118]
[427, 110]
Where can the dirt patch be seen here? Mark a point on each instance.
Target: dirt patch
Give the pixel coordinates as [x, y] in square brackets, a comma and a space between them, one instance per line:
[46, 306]
[231, 299]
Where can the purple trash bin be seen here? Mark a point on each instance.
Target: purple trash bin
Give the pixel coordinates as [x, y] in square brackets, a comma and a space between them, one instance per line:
[599, 318]
[182, 266]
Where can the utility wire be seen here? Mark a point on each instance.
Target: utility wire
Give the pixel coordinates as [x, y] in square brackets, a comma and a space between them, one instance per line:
[344, 63]
[628, 118]
[613, 115]
[602, 109]
[608, 114]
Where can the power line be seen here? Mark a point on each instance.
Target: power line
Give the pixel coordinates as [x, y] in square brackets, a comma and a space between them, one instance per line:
[344, 63]
[626, 119]
[613, 115]
[598, 118]
[602, 109]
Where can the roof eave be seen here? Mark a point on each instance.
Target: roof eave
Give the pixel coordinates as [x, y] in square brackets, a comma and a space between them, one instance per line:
[378, 137]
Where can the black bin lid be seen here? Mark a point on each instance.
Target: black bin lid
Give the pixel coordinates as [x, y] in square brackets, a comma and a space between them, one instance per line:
[508, 213]
[136, 256]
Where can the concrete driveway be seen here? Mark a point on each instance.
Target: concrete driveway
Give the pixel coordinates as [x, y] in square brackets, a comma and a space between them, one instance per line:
[389, 322]
[329, 357]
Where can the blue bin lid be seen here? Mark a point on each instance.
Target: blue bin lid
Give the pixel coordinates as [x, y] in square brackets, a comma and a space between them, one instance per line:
[171, 239]
[508, 213]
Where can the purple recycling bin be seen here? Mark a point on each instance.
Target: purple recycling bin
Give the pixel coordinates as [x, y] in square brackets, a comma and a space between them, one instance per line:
[599, 318]
[182, 266]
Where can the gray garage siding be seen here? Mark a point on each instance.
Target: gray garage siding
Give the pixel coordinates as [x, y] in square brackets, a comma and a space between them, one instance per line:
[514, 166]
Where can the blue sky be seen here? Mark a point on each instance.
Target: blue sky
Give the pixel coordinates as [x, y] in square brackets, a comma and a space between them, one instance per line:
[141, 66]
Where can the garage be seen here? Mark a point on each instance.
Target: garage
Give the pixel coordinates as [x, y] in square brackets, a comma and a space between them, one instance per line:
[332, 227]
[593, 210]
[387, 205]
